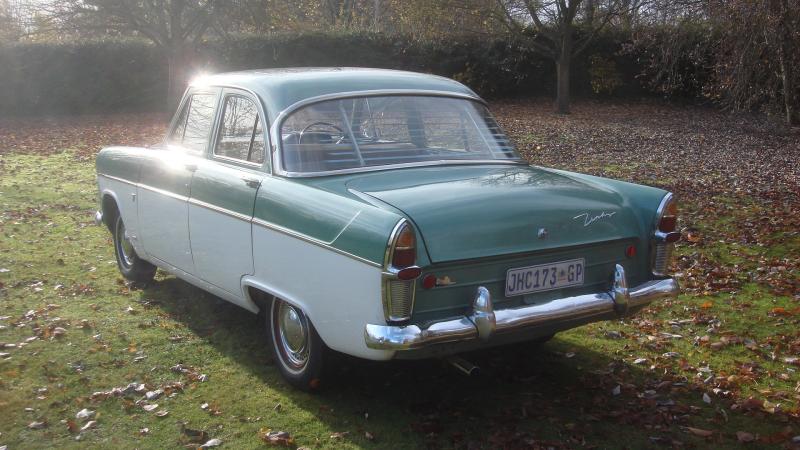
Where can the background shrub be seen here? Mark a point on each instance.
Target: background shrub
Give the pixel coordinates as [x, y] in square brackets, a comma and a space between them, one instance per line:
[125, 75]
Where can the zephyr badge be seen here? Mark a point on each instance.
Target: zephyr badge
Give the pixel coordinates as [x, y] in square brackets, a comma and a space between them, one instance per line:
[588, 220]
[542, 233]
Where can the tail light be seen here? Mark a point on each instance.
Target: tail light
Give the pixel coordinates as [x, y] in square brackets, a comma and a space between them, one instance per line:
[665, 235]
[400, 273]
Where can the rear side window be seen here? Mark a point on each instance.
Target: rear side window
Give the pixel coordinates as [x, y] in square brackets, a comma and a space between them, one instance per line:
[240, 134]
[193, 128]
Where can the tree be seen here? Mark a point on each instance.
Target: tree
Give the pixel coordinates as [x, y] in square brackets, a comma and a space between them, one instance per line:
[758, 52]
[560, 30]
[174, 26]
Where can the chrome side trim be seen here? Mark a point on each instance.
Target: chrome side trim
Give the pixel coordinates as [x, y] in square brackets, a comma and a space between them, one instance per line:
[311, 240]
[121, 180]
[227, 212]
[182, 198]
[589, 306]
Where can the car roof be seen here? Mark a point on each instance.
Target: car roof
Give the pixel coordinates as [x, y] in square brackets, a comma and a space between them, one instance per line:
[281, 88]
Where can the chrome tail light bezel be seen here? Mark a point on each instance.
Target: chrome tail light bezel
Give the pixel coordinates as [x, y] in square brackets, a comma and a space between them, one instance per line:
[391, 283]
[663, 243]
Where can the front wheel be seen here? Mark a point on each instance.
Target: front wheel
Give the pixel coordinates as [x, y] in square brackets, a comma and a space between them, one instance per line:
[130, 265]
[298, 349]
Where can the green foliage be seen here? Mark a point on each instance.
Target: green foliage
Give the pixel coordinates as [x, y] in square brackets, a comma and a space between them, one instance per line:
[53, 78]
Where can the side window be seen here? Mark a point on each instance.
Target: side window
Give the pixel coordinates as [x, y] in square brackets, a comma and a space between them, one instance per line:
[240, 135]
[193, 128]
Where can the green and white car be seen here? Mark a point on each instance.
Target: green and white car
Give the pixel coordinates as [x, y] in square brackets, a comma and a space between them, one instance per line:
[382, 214]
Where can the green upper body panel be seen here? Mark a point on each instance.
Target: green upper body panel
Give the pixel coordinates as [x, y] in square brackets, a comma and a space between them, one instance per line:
[475, 211]
[282, 88]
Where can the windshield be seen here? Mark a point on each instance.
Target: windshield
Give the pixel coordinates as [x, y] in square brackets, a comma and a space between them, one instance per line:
[377, 131]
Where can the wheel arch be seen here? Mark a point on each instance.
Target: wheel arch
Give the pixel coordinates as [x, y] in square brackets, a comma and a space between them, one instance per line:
[109, 205]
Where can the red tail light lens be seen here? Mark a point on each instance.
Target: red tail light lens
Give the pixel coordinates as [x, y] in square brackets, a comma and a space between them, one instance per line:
[404, 253]
[669, 218]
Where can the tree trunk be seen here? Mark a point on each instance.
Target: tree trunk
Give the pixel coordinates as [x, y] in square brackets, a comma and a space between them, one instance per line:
[563, 72]
[179, 64]
[787, 71]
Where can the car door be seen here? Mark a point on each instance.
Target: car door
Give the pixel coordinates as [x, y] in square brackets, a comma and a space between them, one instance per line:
[224, 191]
[165, 181]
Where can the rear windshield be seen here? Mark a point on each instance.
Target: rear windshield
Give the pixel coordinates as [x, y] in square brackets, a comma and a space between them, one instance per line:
[377, 131]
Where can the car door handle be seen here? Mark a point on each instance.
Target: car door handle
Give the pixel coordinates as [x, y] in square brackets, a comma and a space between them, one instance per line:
[191, 167]
[251, 182]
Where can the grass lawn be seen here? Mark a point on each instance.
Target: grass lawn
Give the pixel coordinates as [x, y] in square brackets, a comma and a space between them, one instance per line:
[717, 368]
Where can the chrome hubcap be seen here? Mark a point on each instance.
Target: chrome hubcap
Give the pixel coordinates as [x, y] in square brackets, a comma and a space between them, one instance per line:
[125, 247]
[293, 334]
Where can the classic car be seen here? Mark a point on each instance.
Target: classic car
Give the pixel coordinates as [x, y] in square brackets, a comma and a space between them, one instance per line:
[377, 213]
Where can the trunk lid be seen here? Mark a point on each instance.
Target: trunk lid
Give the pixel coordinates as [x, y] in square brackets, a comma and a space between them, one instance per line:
[481, 211]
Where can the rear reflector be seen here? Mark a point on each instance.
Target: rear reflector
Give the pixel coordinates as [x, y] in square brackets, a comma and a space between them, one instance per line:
[630, 252]
[429, 282]
[409, 273]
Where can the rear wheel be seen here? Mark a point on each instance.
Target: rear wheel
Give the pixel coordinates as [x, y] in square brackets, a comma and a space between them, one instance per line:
[130, 265]
[298, 349]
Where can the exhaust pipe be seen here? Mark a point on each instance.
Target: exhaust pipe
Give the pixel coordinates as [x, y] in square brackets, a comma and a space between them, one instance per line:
[463, 366]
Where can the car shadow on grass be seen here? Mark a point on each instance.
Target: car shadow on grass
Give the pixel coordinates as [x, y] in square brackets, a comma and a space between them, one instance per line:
[560, 394]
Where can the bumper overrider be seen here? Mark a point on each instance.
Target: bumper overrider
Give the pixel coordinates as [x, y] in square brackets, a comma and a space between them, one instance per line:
[484, 321]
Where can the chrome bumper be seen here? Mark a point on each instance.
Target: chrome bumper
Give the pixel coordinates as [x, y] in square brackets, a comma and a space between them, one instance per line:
[483, 322]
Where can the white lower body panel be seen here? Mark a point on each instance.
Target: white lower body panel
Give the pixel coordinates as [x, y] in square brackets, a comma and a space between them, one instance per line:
[338, 293]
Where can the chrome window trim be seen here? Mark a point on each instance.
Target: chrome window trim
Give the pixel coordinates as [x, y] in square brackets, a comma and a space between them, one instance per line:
[187, 94]
[230, 91]
[441, 162]
[277, 148]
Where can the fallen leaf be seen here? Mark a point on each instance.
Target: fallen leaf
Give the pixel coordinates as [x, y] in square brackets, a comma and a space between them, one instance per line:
[280, 438]
[743, 436]
[84, 414]
[339, 434]
[699, 431]
[212, 443]
[37, 425]
[89, 424]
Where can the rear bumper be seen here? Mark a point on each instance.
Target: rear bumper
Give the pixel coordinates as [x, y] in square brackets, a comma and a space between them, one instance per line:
[484, 322]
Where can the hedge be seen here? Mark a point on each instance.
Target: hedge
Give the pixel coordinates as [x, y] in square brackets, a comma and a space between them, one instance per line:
[105, 76]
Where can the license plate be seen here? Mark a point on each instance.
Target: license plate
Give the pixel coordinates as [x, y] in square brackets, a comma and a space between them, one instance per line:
[544, 277]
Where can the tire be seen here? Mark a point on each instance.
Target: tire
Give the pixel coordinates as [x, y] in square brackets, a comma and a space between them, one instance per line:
[130, 265]
[299, 351]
